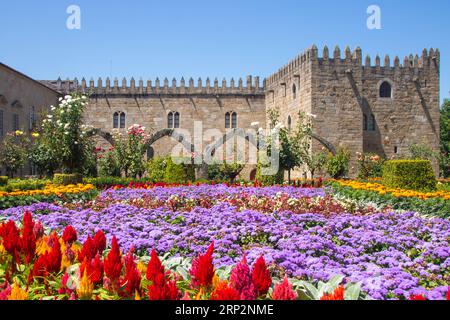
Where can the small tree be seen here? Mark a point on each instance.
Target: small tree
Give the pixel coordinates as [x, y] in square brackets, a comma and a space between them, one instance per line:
[13, 152]
[337, 165]
[444, 158]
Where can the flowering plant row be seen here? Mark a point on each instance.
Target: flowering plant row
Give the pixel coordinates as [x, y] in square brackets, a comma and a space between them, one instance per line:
[50, 193]
[37, 266]
[431, 204]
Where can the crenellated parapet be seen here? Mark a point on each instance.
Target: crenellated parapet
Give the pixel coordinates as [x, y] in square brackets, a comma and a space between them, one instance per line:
[350, 59]
[251, 86]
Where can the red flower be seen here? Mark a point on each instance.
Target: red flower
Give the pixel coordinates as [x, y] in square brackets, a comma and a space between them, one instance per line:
[69, 235]
[418, 297]
[94, 269]
[284, 291]
[261, 277]
[132, 280]
[88, 251]
[113, 263]
[50, 262]
[99, 242]
[161, 288]
[338, 294]
[448, 294]
[28, 240]
[225, 292]
[11, 238]
[241, 279]
[202, 270]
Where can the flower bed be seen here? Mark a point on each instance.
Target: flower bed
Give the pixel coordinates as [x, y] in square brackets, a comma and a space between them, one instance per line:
[432, 203]
[50, 193]
[392, 255]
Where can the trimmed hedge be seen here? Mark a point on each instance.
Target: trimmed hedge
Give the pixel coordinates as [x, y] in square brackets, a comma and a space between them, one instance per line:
[409, 174]
[3, 181]
[66, 179]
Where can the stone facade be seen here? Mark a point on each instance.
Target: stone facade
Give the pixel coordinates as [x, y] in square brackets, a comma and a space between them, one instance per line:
[22, 101]
[344, 96]
[364, 107]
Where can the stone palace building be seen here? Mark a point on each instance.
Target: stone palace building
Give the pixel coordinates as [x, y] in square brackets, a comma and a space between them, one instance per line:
[365, 105]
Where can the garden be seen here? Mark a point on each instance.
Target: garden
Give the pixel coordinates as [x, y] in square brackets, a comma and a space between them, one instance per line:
[104, 224]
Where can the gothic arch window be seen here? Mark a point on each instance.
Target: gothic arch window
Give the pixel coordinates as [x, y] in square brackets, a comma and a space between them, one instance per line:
[227, 120]
[289, 123]
[119, 120]
[365, 123]
[173, 120]
[234, 123]
[294, 91]
[385, 90]
[176, 120]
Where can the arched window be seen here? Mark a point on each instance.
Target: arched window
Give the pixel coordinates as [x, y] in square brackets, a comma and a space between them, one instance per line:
[227, 120]
[177, 120]
[234, 123]
[373, 123]
[123, 119]
[294, 91]
[150, 153]
[365, 124]
[170, 120]
[119, 120]
[385, 90]
[116, 120]
[289, 123]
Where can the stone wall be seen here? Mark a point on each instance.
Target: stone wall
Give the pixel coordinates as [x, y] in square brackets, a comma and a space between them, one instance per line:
[25, 98]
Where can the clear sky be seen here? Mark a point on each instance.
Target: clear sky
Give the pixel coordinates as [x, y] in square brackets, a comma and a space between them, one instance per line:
[204, 38]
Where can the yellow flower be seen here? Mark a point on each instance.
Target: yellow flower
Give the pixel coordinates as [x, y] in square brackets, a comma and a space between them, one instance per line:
[201, 294]
[17, 293]
[19, 133]
[216, 281]
[141, 267]
[35, 135]
[42, 246]
[85, 288]
[137, 296]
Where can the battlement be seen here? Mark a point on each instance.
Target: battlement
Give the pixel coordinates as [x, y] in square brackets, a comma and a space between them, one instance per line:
[252, 86]
[429, 59]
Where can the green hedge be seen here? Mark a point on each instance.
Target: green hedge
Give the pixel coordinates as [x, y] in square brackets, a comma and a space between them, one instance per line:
[178, 173]
[3, 181]
[24, 185]
[66, 179]
[409, 174]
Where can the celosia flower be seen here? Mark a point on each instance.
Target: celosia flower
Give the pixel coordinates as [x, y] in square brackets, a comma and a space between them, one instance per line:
[38, 230]
[28, 240]
[261, 277]
[225, 292]
[241, 280]
[94, 269]
[154, 268]
[448, 294]
[284, 291]
[132, 279]
[50, 262]
[5, 292]
[88, 251]
[113, 263]
[202, 270]
[69, 235]
[161, 288]
[99, 242]
[338, 294]
[17, 293]
[11, 238]
[85, 288]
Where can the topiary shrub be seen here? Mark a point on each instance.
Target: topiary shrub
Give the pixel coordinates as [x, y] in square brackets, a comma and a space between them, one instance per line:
[3, 181]
[409, 174]
[156, 169]
[66, 179]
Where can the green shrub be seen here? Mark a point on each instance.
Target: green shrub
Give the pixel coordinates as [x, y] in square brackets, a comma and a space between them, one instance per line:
[337, 165]
[3, 181]
[178, 173]
[277, 178]
[24, 185]
[66, 179]
[156, 169]
[409, 174]
[369, 165]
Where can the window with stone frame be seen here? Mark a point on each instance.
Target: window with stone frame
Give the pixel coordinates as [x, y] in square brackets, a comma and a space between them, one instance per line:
[123, 120]
[294, 91]
[373, 123]
[386, 90]
[176, 123]
[170, 120]
[234, 120]
[227, 120]
[365, 123]
[16, 122]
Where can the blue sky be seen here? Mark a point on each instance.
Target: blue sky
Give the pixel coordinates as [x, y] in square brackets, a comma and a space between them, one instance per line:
[204, 38]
